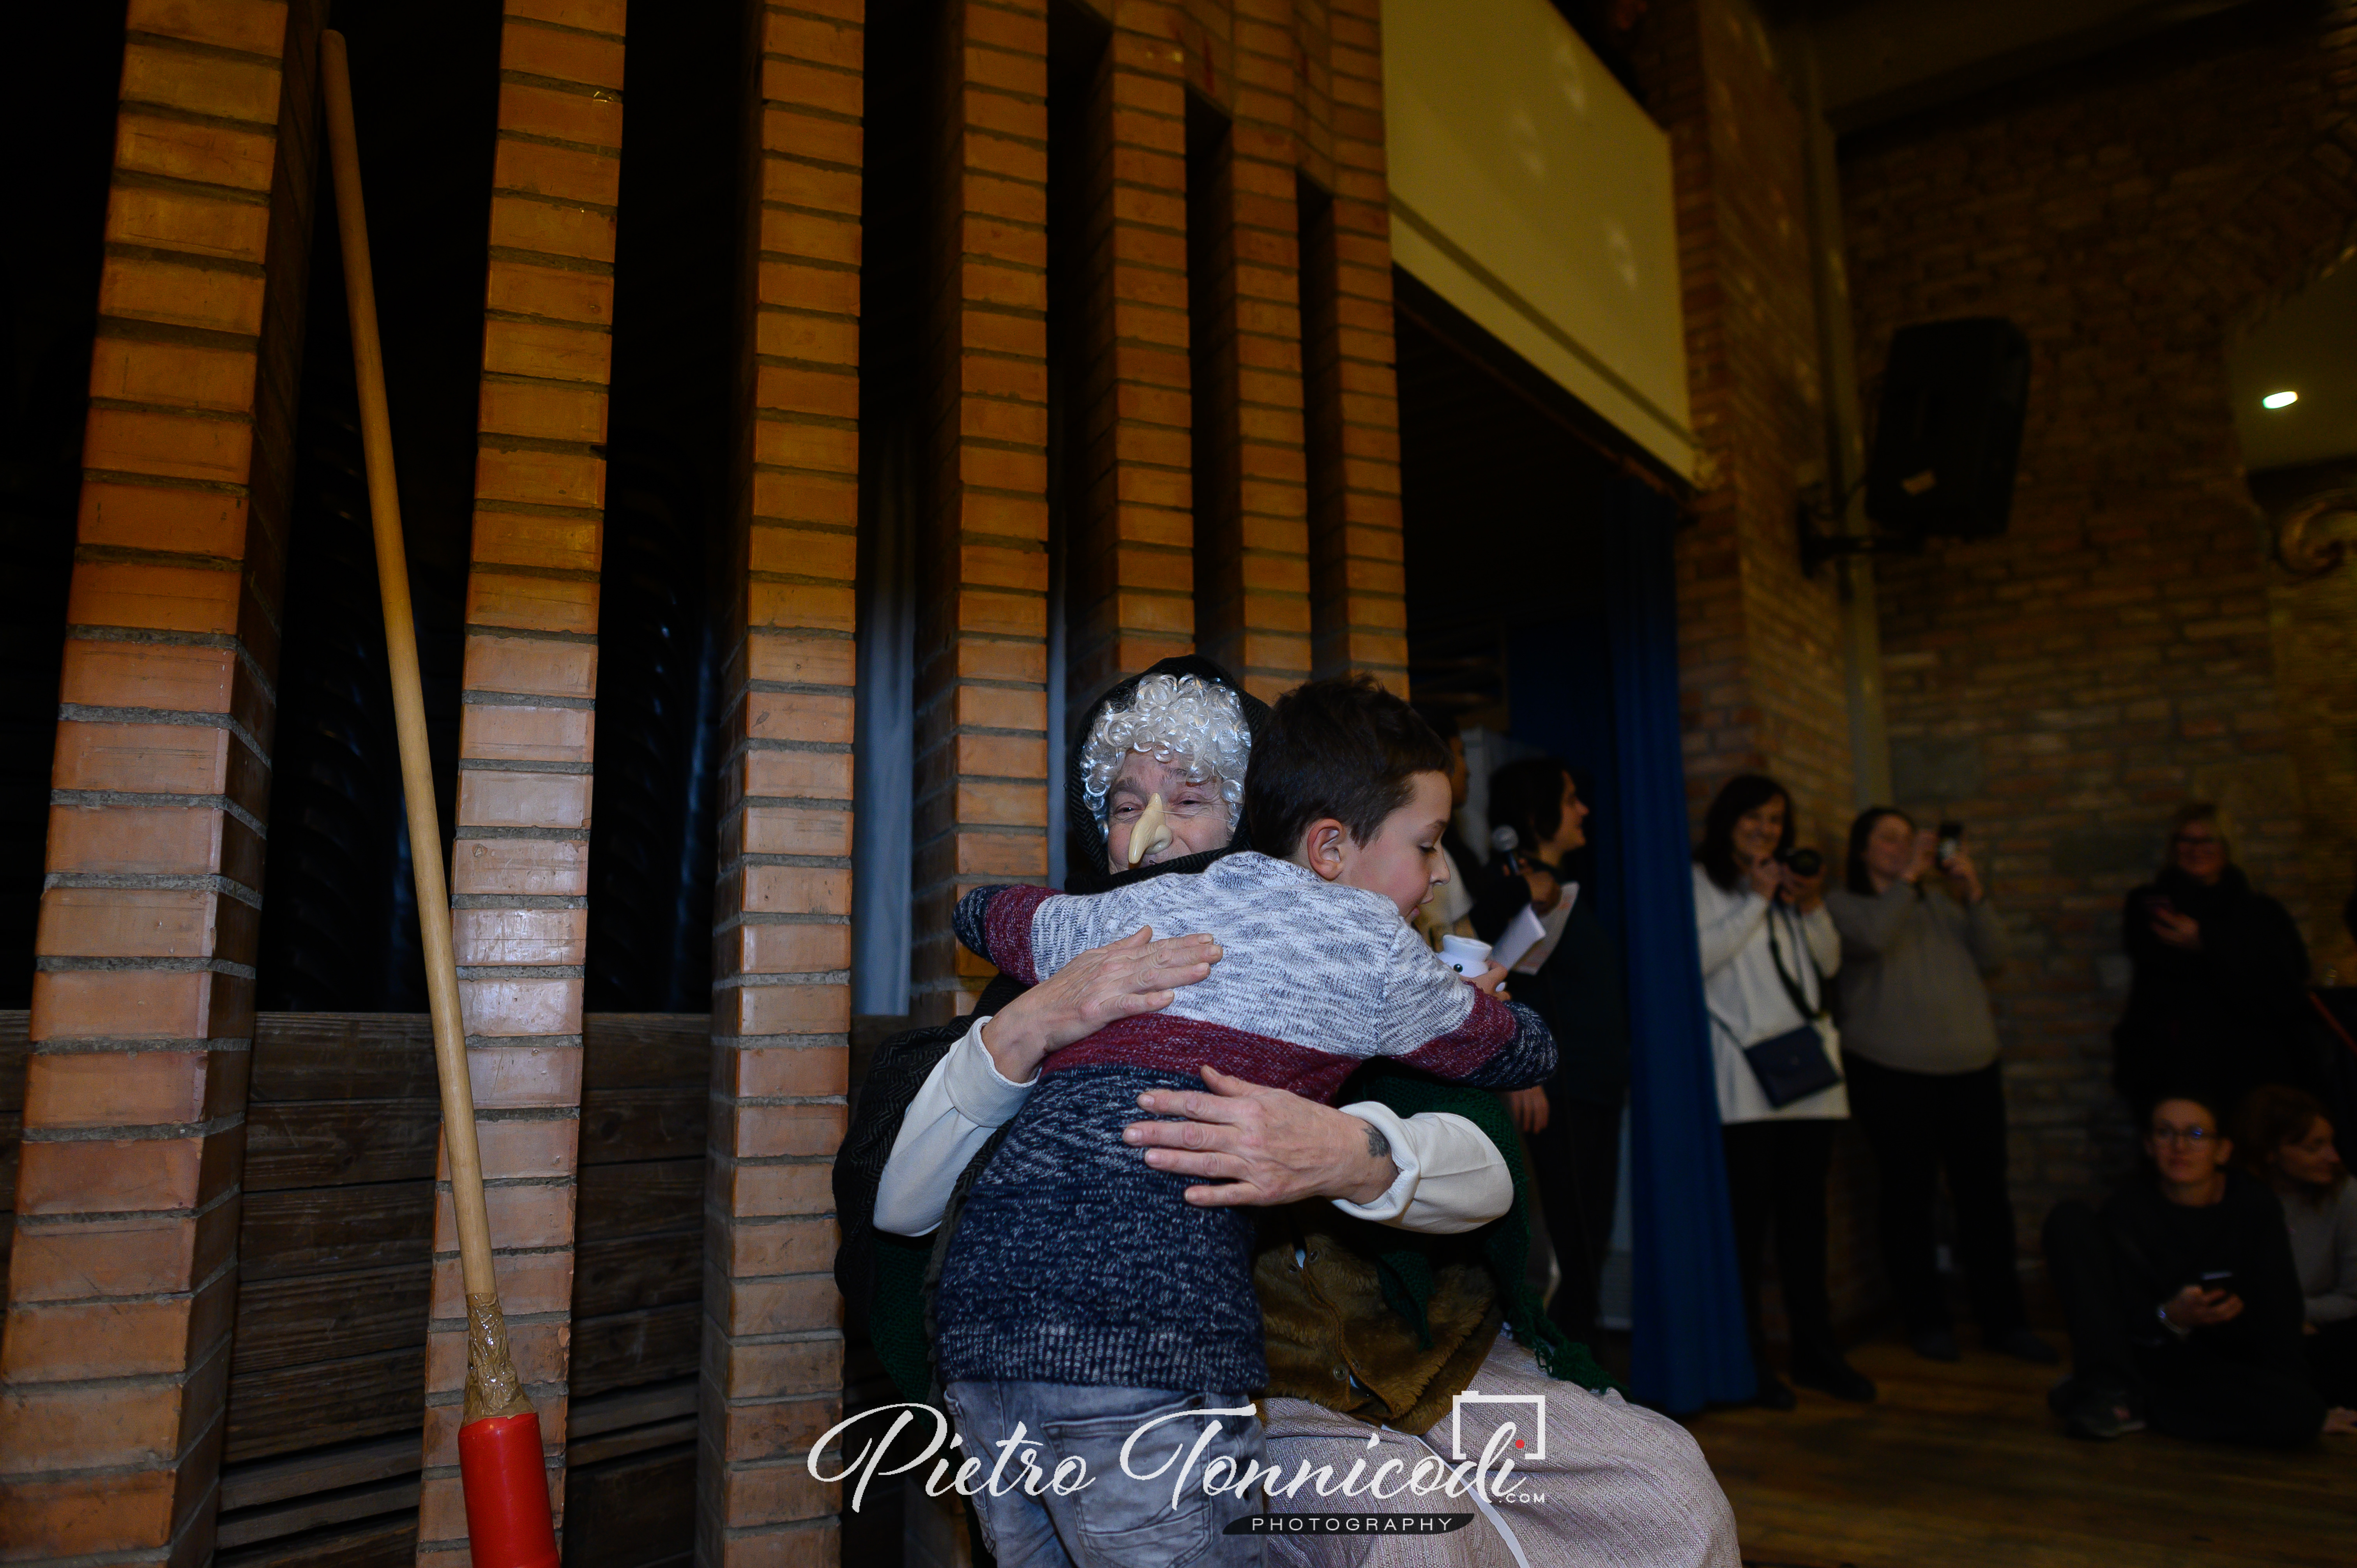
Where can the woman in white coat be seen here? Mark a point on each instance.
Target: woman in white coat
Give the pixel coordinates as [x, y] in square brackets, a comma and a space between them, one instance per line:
[1768, 950]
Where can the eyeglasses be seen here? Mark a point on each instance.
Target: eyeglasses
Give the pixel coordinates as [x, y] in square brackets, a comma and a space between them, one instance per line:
[2190, 1137]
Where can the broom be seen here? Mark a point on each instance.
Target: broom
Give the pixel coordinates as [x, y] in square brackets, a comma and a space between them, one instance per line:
[508, 1513]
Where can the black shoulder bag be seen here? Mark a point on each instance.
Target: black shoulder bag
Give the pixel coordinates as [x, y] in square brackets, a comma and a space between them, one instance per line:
[1793, 1064]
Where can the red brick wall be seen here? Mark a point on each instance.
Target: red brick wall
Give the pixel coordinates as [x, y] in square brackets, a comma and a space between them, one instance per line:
[520, 862]
[1251, 534]
[1133, 574]
[1759, 651]
[772, 1368]
[1358, 589]
[2062, 687]
[123, 1278]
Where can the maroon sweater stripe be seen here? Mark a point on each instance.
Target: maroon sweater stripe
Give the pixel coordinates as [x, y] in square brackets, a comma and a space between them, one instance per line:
[1169, 1043]
[1487, 1030]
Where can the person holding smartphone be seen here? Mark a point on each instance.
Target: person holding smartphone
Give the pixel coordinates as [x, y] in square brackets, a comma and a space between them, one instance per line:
[1769, 951]
[1920, 1045]
[2183, 1301]
[2216, 1001]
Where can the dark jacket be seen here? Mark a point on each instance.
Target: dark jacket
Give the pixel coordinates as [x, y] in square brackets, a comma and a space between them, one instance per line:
[2158, 1248]
[1576, 992]
[2219, 1021]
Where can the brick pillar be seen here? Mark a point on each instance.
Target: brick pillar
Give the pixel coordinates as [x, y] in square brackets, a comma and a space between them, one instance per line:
[781, 951]
[124, 1279]
[1358, 585]
[1759, 645]
[982, 636]
[1251, 531]
[1133, 574]
[519, 863]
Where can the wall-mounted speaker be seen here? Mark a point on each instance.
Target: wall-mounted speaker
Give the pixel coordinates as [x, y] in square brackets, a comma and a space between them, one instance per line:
[1947, 432]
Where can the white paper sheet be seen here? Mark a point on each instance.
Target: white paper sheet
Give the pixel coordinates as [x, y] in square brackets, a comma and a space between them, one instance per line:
[1522, 933]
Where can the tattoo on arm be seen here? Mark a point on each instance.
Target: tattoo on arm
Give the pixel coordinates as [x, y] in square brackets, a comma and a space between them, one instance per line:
[1378, 1146]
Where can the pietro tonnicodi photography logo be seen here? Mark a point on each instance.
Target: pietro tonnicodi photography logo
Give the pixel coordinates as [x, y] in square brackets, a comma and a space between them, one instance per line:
[1525, 1448]
[1408, 1469]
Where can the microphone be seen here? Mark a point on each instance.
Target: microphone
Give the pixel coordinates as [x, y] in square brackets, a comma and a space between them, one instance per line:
[1504, 840]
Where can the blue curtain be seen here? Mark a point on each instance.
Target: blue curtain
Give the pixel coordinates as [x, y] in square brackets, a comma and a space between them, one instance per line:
[1689, 1346]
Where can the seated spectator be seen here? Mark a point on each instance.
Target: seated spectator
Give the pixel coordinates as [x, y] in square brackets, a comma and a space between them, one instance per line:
[2286, 1140]
[1920, 1048]
[2215, 1002]
[2182, 1300]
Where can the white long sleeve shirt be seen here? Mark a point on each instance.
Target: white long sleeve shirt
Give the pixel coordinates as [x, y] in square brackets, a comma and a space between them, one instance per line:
[1451, 1177]
[1748, 1004]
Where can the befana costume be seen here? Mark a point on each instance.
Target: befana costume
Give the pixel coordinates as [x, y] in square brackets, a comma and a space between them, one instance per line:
[1370, 1331]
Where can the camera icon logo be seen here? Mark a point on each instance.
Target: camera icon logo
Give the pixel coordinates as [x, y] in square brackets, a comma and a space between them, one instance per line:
[1524, 1448]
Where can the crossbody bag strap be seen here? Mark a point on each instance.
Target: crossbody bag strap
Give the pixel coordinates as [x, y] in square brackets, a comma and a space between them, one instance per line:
[1811, 1010]
[2331, 1022]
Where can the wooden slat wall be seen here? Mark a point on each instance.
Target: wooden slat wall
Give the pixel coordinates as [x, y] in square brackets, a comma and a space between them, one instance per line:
[638, 1270]
[336, 1239]
[327, 1375]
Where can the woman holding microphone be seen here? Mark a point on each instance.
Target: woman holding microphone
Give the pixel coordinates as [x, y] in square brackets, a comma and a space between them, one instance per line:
[1918, 934]
[1767, 948]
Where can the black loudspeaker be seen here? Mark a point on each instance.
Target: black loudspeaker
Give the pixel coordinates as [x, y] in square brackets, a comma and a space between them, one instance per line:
[1948, 433]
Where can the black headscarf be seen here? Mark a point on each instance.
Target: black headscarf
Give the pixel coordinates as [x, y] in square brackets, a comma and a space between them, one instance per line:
[1086, 870]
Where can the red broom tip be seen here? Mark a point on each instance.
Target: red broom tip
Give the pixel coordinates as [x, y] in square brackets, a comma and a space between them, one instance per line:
[508, 1521]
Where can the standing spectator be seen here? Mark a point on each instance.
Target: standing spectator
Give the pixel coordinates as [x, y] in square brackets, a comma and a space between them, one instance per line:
[1767, 947]
[2183, 1304]
[2216, 1002]
[2286, 1140]
[1571, 979]
[1920, 1048]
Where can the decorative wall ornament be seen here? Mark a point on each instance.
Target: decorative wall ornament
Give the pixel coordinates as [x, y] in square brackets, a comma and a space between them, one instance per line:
[2312, 538]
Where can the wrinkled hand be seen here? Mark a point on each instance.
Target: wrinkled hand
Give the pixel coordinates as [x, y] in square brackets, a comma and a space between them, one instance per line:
[1767, 878]
[2194, 1307]
[1546, 891]
[1803, 893]
[1119, 980]
[2179, 930]
[1264, 1146]
[1530, 1108]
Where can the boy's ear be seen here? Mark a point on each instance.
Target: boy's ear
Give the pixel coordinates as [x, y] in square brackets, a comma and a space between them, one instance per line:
[1323, 847]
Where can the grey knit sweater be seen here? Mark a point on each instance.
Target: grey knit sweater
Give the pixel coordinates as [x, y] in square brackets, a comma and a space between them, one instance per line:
[1076, 1262]
[1911, 992]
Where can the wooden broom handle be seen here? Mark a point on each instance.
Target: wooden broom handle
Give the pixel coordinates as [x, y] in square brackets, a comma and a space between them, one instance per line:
[408, 696]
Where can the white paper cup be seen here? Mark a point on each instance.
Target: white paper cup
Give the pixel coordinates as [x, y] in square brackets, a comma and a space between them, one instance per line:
[1464, 955]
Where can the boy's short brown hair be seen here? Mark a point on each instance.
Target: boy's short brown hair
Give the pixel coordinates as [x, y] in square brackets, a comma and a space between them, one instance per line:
[1343, 749]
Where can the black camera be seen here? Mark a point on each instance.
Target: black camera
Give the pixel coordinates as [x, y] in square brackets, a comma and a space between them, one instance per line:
[1801, 861]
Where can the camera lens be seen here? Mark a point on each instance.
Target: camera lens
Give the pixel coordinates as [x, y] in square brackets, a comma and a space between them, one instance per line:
[1803, 862]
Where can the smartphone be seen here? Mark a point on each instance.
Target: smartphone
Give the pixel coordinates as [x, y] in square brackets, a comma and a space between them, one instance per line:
[2218, 1280]
[2159, 904]
[1952, 839]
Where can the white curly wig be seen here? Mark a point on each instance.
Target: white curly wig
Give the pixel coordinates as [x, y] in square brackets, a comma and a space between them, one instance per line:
[1173, 719]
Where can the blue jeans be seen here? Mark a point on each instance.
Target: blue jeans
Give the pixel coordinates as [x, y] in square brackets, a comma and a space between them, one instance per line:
[1119, 1520]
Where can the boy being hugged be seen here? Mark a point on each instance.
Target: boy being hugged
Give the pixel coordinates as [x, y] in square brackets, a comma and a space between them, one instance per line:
[1082, 1297]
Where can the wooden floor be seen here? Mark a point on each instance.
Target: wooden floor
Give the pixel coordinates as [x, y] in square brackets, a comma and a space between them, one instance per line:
[1961, 1464]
